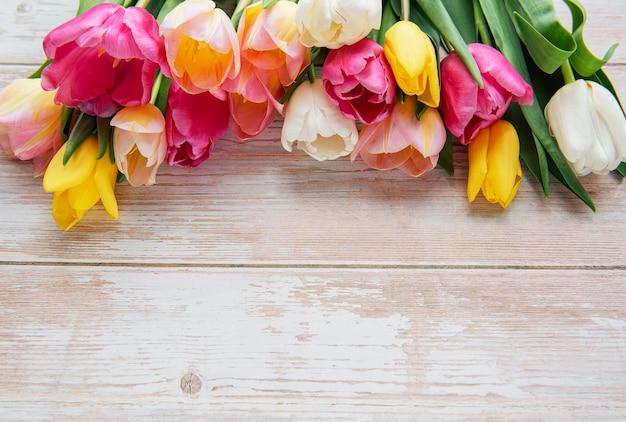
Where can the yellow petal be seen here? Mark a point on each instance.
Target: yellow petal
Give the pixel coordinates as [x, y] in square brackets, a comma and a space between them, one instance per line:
[105, 179]
[477, 155]
[504, 174]
[64, 215]
[59, 177]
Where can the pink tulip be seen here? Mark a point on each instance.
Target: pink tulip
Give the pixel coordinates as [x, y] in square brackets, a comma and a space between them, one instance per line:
[272, 57]
[30, 123]
[466, 108]
[401, 141]
[359, 80]
[104, 59]
[201, 46]
[193, 124]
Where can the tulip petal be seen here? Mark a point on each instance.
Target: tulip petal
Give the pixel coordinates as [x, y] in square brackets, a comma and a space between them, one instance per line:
[59, 177]
[477, 156]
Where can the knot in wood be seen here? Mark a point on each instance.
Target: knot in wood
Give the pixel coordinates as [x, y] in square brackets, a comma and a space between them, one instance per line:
[190, 383]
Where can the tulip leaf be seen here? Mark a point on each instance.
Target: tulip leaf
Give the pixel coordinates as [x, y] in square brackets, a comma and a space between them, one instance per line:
[66, 120]
[154, 7]
[531, 151]
[164, 90]
[621, 169]
[462, 14]
[84, 5]
[537, 25]
[85, 125]
[583, 60]
[104, 131]
[508, 43]
[439, 17]
[446, 159]
[37, 73]
[389, 18]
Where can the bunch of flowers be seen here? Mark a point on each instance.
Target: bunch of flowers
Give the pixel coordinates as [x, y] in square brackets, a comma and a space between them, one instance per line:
[130, 85]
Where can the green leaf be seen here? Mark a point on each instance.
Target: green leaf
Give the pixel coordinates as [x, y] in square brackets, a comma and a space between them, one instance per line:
[154, 7]
[164, 90]
[583, 60]
[531, 150]
[441, 20]
[84, 5]
[462, 14]
[508, 43]
[388, 19]
[85, 125]
[105, 132]
[446, 159]
[621, 169]
[268, 3]
[537, 25]
[37, 73]
[66, 120]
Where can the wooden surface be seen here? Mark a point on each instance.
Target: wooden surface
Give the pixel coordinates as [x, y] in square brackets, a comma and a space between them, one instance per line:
[265, 285]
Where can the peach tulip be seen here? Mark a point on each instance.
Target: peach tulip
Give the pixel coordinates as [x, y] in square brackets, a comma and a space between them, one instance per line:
[30, 123]
[201, 46]
[139, 143]
[402, 141]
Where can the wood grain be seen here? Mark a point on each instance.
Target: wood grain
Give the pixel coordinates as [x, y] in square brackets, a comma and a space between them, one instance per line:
[304, 343]
[266, 286]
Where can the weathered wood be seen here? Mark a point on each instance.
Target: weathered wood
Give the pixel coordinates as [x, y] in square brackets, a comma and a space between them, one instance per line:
[303, 343]
[265, 285]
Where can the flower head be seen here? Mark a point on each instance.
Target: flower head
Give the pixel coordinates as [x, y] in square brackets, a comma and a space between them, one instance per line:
[316, 125]
[104, 59]
[139, 143]
[359, 80]
[494, 166]
[272, 57]
[589, 127]
[30, 123]
[201, 46]
[467, 108]
[413, 60]
[402, 141]
[333, 23]
[193, 124]
[80, 184]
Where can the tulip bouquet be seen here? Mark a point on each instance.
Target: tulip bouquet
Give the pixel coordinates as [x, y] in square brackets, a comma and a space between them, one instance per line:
[130, 84]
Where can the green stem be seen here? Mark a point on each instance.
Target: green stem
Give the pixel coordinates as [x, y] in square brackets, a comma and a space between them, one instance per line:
[311, 72]
[241, 5]
[156, 87]
[406, 10]
[568, 73]
[142, 3]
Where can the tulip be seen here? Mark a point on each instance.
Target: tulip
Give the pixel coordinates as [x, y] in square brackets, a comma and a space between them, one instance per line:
[359, 80]
[589, 127]
[271, 59]
[412, 57]
[139, 143]
[193, 124]
[467, 108]
[104, 59]
[403, 142]
[201, 46]
[80, 184]
[30, 123]
[333, 23]
[494, 166]
[316, 125]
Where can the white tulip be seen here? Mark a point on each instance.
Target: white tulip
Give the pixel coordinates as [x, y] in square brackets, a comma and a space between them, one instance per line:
[589, 127]
[333, 23]
[316, 125]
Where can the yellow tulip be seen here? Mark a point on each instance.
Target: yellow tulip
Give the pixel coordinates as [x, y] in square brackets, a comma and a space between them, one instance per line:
[413, 61]
[494, 165]
[81, 183]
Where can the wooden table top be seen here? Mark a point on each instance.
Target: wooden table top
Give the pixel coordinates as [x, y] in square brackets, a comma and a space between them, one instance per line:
[266, 285]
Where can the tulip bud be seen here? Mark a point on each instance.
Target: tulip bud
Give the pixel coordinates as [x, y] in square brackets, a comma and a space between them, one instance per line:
[494, 166]
[589, 127]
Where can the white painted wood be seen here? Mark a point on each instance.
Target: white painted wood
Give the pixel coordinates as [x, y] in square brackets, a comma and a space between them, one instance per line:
[275, 287]
[312, 343]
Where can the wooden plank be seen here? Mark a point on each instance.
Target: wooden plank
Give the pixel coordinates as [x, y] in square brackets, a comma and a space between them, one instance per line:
[253, 203]
[101, 342]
